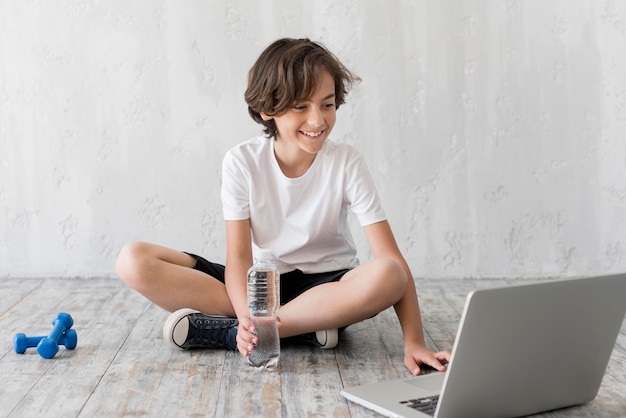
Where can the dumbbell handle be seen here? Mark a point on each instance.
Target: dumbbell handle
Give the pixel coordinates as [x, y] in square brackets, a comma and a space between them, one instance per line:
[21, 342]
[61, 323]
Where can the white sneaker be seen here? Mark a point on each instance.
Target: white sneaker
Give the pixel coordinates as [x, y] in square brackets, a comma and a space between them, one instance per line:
[326, 338]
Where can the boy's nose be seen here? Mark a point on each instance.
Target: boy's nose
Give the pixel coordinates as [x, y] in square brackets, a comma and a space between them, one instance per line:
[315, 118]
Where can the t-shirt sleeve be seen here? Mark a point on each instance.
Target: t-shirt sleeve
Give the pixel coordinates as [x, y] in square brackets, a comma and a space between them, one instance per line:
[361, 194]
[235, 188]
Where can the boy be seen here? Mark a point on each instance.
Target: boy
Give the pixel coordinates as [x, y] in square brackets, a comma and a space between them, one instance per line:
[289, 191]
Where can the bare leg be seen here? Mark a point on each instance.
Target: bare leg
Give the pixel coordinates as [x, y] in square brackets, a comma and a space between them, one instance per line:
[167, 278]
[360, 294]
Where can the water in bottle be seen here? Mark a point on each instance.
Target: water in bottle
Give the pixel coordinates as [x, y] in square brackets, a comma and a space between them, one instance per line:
[263, 303]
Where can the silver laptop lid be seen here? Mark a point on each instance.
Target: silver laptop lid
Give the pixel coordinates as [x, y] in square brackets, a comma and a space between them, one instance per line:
[534, 347]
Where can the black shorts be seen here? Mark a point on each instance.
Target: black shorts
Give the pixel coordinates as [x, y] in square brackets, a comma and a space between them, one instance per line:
[292, 284]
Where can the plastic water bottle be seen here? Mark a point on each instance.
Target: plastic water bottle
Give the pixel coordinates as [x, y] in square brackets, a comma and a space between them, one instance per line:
[263, 303]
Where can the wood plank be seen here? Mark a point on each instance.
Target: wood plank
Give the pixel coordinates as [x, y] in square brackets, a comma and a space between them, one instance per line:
[104, 312]
[33, 315]
[245, 391]
[191, 383]
[123, 367]
[148, 376]
[362, 358]
[310, 382]
[14, 291]
[390, 332]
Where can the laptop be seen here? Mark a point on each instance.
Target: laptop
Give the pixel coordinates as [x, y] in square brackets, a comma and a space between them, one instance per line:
[519, 350]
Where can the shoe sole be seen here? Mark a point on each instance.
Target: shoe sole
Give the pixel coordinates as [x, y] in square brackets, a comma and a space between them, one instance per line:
[174, 329]
[328, 338]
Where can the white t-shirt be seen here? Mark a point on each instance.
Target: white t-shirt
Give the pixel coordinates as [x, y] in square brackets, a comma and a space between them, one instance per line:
[302, 220]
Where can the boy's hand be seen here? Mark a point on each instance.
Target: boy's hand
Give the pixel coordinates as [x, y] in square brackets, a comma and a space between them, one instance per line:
[417, 355]
[246, 339]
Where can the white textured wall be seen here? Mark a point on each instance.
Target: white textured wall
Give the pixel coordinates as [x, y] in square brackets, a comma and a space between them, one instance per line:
[496, 129]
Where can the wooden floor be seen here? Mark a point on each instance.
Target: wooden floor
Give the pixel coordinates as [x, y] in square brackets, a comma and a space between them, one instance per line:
[122, 367]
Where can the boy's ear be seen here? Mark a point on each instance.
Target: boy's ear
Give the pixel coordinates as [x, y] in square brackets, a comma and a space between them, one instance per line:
[265, 116]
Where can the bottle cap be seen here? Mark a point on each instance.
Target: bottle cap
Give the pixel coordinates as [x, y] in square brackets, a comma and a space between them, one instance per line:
[264, 254]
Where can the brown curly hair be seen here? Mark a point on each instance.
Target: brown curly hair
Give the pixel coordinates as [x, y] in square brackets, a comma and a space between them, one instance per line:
[288, 71]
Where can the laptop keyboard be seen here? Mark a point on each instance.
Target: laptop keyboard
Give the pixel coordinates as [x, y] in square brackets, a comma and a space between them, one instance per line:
[426, 405]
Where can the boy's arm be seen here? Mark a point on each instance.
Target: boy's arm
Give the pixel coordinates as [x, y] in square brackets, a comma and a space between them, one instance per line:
[383, 244]
[238, 261]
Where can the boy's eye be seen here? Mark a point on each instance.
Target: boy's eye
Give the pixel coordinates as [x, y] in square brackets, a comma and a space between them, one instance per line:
[303, 107]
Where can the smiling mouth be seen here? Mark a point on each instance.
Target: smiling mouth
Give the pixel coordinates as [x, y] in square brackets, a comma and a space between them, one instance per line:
[312, 134]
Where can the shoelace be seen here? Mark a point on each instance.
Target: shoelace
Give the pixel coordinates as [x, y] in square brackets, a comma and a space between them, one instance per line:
[211, 332]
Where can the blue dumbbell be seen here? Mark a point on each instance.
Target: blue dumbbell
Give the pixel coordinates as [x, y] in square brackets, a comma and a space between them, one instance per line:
[21, 342]
[48, 346]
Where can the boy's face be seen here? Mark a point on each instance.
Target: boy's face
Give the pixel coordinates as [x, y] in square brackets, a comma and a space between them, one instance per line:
[305, 126]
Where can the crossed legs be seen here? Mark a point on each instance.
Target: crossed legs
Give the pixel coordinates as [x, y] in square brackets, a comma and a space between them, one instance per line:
[167, 278]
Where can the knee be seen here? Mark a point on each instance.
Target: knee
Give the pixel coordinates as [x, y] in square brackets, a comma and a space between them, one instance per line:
[132, 263]
[392, 277]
